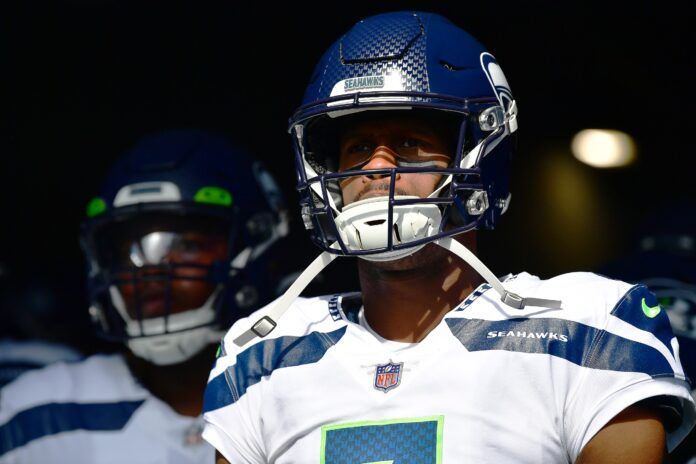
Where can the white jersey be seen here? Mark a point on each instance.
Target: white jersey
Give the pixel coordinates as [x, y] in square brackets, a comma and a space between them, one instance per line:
[20, 356]
[489, 384]
[93, 411]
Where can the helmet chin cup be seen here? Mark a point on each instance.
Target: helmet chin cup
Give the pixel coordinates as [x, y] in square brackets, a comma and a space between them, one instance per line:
[172, 339]
[364, 225]
[172, 348]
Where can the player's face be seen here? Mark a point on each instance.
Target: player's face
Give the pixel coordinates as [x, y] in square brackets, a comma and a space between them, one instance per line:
[187, 288]
[387, 143]
[161, 268]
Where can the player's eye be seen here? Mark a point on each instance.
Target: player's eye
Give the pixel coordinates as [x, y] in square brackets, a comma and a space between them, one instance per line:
[360, 147]
[411, 146]
[192, 246]
[411, 143]
[355, 153]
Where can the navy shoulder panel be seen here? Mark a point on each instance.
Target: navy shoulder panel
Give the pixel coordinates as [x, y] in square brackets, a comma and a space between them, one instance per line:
[575, 342]
[261, 359]
[640, 308]
[54, 418]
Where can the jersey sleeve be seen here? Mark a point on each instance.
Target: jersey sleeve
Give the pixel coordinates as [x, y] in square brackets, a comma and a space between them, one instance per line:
[232, 416]
[633, 359]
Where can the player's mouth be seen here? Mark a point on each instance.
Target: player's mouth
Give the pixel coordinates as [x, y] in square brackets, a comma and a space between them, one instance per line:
[378, 190]
[150, 304]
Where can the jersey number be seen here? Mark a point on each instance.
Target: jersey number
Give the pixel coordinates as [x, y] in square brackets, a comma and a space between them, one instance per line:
[400, 441]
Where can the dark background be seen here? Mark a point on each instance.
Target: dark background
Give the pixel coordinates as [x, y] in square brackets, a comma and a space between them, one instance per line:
[86, 79]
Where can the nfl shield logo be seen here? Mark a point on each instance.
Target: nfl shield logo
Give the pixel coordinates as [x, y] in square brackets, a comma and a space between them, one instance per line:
[388, 376]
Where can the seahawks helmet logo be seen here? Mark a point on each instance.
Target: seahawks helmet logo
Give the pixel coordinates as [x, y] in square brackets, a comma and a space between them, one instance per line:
[497, 80]
[359, 83]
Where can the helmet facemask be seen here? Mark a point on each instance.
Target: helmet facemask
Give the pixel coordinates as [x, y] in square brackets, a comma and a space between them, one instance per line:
[456, 204]
[158, 282]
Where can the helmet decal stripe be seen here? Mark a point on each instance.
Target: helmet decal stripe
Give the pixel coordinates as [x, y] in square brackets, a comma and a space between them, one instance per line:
[95, 207]
[214, 196]
[497, 80]
[147, 192]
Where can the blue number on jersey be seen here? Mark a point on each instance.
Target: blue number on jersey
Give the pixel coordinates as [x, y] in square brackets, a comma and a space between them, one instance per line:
[400, 441]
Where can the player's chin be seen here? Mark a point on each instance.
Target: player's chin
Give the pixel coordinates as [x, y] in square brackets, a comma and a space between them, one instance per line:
[414, 262]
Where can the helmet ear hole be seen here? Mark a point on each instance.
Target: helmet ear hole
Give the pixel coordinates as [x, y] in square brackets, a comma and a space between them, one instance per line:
[246, 297]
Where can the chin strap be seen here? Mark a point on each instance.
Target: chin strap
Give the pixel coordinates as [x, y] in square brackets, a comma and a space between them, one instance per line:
[267, 323]
[509, 298]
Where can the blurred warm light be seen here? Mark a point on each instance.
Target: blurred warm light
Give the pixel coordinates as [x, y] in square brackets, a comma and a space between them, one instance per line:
[576, 228]
[603, 148]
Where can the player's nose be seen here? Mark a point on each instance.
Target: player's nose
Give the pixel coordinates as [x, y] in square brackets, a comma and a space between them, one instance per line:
[153, 277]
[382, 157]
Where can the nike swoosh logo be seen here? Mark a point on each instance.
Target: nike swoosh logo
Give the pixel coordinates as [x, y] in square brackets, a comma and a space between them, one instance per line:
[650, 311]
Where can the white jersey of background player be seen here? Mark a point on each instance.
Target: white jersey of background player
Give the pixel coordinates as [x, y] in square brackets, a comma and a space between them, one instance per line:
[163, 241]
[434, 365]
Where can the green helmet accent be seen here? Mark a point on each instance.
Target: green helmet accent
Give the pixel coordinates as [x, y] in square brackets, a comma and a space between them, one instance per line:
[95, 207]
[214, 196]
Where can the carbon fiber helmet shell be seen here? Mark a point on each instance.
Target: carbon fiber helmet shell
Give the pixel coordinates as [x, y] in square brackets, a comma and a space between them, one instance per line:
[410, 61]
[190, 159]
[430, 53]
[187, 173]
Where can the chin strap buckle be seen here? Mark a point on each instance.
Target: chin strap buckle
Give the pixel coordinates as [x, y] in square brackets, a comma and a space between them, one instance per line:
[518, 302]
[260, 329]
[513, 299]
[263, 326]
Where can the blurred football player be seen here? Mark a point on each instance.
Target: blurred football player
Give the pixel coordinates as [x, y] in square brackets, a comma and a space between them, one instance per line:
[404, 141]
[179, 243]
[38, 323]
[665, 261]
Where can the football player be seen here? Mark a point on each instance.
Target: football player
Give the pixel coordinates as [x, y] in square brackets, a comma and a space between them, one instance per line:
[403, 146]
[36, 328]
[665, 260]
[181, 240]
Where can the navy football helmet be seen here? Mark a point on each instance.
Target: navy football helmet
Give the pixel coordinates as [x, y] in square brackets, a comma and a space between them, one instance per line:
[177, 244]
[404, 63]
[422, 64]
